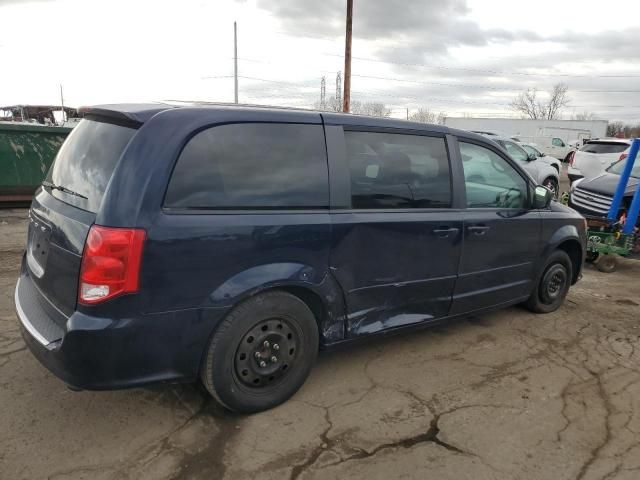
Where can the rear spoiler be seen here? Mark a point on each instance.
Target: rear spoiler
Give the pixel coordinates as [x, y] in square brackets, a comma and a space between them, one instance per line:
[126, 115]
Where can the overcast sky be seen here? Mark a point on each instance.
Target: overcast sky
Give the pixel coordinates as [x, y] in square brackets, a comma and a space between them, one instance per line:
[456, 56]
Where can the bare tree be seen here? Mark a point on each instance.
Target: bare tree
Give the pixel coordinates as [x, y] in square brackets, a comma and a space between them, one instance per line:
[529, 104]
[425, 115]
[583, 116]
[615, 128]
[332, 104]
[373, 109]
[557, 101]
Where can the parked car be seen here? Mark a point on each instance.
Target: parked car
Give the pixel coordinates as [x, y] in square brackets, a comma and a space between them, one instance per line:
[229, 244]
[532, 148]
[541, 171]
[595, 156]
[552, 146]
[593, 197]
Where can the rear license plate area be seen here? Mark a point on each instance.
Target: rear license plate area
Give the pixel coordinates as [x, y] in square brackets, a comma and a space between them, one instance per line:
[39, 241]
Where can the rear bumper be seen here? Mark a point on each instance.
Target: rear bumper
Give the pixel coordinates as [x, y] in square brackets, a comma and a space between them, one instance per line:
[96, 353]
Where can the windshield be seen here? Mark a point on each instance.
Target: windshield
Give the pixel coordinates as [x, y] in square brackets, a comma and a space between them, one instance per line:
[516, 152]
[604, 147]
[86, 161]
[531, 150]
[618, 167]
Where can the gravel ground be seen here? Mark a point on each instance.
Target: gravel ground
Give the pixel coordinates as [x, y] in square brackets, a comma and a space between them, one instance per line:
[508, 395]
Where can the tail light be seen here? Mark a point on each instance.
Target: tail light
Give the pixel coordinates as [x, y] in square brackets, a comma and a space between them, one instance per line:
[623, 156]
[110, 263]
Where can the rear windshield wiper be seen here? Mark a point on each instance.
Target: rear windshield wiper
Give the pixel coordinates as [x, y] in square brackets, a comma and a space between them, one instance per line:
[53, 186]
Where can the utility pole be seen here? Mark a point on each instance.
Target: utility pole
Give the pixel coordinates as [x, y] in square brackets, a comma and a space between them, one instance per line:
[407, 114]
[62, 103]
[347, 59]
[235, 62]
[323, 93]
[339, 89]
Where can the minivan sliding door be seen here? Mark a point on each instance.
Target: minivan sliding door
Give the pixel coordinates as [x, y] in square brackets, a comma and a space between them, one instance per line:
[396, 240]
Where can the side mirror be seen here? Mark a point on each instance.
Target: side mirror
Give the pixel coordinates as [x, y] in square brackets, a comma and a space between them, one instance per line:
[531, 157]
[541, 198]
[542, 154]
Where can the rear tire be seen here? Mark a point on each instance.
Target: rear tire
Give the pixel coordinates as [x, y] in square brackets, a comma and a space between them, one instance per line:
[592, 257]
[553, 285]
[607, 263]
[261, 353]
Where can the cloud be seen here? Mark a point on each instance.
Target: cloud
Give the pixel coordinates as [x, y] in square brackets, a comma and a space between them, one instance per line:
[436, 25]
[14, 2]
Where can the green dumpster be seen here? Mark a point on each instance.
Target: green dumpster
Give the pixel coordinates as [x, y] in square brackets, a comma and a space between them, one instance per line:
[26, 153]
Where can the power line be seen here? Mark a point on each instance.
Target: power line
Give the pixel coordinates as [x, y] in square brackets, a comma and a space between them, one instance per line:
[267, 94]
[298, 84]
[446, 84]
[282, 62]
[483, 87]
[494, 72]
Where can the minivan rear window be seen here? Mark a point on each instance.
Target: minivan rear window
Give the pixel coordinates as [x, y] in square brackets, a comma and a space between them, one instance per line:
[252, 166]
[604, 147]
[85, 162]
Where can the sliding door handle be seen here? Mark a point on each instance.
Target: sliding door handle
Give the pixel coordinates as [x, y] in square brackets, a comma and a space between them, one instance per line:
[478, 229]
[445, 232]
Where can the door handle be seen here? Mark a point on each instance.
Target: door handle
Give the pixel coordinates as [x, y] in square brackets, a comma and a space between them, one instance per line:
[445, 232]
[478, 229]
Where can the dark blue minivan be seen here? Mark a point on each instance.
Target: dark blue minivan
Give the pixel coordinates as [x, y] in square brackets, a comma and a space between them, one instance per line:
[229, 244]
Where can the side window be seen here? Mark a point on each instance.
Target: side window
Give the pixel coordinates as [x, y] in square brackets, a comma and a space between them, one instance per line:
[517, 153]
[557, 142]
[252, 166]
[391, 170]
[490, 181]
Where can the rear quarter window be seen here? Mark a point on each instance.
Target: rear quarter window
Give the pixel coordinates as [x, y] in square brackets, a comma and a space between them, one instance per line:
[252, 166]
[86, 161]
[604, 147]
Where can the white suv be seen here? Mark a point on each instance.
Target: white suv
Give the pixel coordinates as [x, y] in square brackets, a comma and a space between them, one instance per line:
[597, 155]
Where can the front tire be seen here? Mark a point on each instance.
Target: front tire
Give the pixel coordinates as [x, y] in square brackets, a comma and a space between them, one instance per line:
[553, 285]
[261, 353]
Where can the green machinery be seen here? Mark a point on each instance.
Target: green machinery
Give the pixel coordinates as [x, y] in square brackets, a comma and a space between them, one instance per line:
[616, 234]
[605, 241]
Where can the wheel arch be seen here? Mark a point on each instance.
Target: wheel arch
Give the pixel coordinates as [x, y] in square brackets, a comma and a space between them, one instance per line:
[573, 248]
[568, 239]
[312, 299]
[318, 290]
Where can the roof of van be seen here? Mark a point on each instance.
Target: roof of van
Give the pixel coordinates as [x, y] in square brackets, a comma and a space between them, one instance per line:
[610, 140]
[142, 112]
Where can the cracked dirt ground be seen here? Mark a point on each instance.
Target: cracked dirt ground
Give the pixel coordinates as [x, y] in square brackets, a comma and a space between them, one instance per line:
[508, 395]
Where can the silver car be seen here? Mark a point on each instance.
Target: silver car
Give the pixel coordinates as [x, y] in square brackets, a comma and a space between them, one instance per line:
[541, 171]
[543, 157]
